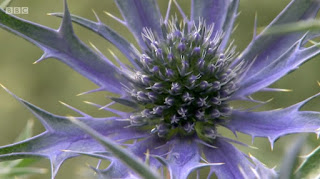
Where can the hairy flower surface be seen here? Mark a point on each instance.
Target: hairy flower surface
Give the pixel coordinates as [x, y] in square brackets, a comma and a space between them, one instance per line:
[182, 78]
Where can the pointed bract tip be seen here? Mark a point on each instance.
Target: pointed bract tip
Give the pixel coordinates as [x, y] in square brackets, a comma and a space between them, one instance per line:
[93, 104]
[147, 157]
[313, 42]
[108, 14]
[318, 83]
[218, 163]
[255, 25]
[271, 141]
[94, 12]
[87, 102]
[66, 9]
[115, 18]
[36, 62]
[94, 47]
[12, 94]
[43, 57]
[111, 52]
[92, 44]
[66, 23]
[83, 93]
[91, 91]
[271, 147]
[64, 150]
[147, 153]
[287, 90]
[317, 133]
[63, 103]
[253, 147]
[65, 3]
[277, 90]
[239, 13]
[255, 172]
[2, 86]
[269, 100]
[80, 94]
[96, 15]
[103, 107]
[235, 28]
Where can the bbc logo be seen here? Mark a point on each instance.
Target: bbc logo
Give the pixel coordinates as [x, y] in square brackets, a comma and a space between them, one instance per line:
[17, 10]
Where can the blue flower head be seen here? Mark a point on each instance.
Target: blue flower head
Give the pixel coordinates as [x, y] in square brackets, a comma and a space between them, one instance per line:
[183, 75]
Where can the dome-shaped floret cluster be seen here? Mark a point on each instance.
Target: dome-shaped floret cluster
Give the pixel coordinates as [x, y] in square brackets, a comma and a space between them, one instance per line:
[183, 79]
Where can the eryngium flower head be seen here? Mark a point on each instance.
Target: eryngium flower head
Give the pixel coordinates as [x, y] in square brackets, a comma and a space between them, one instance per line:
[179, 88]
[183, 82]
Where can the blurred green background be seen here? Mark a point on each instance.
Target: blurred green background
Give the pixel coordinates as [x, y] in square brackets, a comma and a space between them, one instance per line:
[50, 81]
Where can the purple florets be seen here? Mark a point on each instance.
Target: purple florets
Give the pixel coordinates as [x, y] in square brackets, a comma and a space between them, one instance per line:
[183, 79]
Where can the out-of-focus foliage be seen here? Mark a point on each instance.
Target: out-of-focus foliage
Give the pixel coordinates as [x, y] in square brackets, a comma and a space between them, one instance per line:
[20, 168]
[5, 3]
[307, 25]
[310, 168]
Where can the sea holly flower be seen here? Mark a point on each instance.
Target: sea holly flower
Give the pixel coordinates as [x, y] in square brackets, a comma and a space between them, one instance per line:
[182, 78]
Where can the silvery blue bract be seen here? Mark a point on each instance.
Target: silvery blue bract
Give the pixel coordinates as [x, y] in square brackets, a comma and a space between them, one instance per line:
[183, 76]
